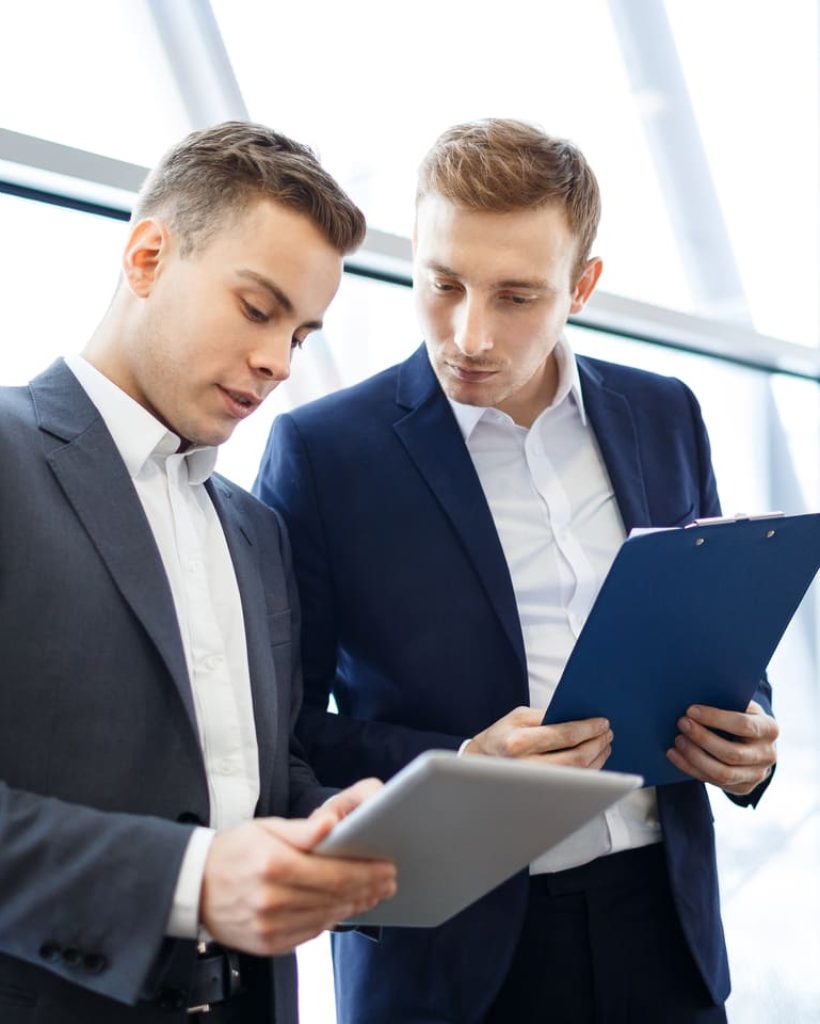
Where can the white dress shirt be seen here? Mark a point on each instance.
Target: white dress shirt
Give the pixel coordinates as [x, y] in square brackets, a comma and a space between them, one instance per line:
[559, 526]
[194, 552]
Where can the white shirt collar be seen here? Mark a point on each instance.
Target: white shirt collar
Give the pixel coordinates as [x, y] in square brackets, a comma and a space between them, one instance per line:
[138, 435]
[569, 384]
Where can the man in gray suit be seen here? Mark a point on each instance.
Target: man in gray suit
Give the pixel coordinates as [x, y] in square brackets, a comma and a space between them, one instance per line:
[150, 675]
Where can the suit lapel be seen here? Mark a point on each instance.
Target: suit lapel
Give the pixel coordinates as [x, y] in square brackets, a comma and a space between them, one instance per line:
[433, 440]
[239, 535]
[96, 484]
[614, 428]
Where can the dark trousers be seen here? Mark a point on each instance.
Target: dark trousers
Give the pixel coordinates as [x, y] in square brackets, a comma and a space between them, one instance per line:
[602, 944]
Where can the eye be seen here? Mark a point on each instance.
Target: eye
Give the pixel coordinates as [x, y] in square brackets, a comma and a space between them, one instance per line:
[517, 300]
[443, 286]
[254, 314]
[297, 342]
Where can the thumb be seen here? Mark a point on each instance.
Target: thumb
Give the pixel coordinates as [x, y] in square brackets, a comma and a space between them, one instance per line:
[301, 833]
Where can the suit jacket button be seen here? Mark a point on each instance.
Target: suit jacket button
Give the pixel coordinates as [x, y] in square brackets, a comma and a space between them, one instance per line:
[72, 957]
[50, 952]
[189, 818]
[94, 963]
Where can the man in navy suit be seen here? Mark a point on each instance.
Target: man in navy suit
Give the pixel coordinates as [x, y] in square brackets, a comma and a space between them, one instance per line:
[452, 520]
[150, 675]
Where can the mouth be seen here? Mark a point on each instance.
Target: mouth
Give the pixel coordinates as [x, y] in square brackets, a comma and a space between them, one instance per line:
[240, 403]
[469, 375]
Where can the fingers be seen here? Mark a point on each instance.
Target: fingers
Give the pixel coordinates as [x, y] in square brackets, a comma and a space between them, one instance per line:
[592, 753]
[349, 799]
[701, 766]
[567, 735]
[560, 739]
[737, 766]
[300, 833]
[753, 723]
[262, 894]
[521, 734]
[326, 875]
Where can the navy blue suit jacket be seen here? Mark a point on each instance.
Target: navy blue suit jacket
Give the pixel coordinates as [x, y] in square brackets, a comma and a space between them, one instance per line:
[409, 619]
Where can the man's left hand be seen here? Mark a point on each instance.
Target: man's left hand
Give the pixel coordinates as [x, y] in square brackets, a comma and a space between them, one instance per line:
[738, 765]
[340, 805]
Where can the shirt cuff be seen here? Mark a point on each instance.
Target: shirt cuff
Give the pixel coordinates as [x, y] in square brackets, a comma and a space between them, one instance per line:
[183, 921]
[463, 746]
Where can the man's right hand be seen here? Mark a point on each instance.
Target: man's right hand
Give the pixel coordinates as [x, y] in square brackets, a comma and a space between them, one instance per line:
[264, 892]
[584, 744]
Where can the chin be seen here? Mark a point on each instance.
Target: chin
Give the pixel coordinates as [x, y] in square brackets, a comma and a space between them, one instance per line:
[470, 394]
[204, 437]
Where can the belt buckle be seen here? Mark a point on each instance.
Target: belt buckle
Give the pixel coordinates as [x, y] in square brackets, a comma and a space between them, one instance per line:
[232, 981]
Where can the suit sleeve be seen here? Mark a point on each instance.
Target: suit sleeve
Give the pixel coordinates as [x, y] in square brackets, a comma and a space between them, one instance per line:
[340, 748]
[85, 894]
[710, 506]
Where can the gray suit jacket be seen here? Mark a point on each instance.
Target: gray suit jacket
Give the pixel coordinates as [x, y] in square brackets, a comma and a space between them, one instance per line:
[101, 773]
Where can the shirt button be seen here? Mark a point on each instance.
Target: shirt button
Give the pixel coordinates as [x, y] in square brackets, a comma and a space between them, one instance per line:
[226, 766]
[211, 662]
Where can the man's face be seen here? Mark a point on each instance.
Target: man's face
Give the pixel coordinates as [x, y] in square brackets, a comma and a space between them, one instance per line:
[216, 329]
[493, 292]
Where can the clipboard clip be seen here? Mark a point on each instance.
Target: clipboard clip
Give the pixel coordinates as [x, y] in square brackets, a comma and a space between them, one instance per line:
[738, 517]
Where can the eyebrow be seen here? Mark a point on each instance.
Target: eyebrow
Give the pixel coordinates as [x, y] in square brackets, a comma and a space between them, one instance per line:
[277, 293]
[531, 284]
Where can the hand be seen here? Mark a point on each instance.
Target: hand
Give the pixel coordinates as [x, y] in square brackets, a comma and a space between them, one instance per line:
[736, 766]
[520, 734]
[264, 892]
[349, 799]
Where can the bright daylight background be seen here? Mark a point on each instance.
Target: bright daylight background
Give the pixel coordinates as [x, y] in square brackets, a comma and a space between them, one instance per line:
[701, 120]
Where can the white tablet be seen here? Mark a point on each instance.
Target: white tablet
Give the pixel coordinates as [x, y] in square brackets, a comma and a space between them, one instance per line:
[457, 827]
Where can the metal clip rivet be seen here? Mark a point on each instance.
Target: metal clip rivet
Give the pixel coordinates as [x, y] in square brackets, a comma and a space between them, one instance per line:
[698, 542]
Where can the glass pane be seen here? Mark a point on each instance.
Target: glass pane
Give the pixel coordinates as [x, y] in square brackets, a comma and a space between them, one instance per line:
[752, 74]
[93, 76]
[373, 111]
[57, 280]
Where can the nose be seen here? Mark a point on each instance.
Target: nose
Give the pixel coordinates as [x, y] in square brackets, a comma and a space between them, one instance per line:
[271, 360]
[471, 333]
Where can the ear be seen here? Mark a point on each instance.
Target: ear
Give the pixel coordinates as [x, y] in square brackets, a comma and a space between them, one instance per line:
[147, 246]
[585, 284]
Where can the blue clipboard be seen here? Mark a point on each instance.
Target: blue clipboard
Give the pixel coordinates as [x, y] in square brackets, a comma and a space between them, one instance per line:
[685, 616]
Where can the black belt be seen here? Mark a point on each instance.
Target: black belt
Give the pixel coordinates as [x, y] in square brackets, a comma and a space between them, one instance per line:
[215, 979]
[611, 869]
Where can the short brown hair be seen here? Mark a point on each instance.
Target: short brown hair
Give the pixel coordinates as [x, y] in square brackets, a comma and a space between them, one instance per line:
[501, 165]
[216, 172]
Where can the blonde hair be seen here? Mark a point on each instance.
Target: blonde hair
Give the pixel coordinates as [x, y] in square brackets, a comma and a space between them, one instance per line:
[500, 165]
[216, 172]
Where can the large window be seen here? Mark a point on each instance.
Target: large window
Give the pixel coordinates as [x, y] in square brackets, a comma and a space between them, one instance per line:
[702, 121]
[92, 75]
